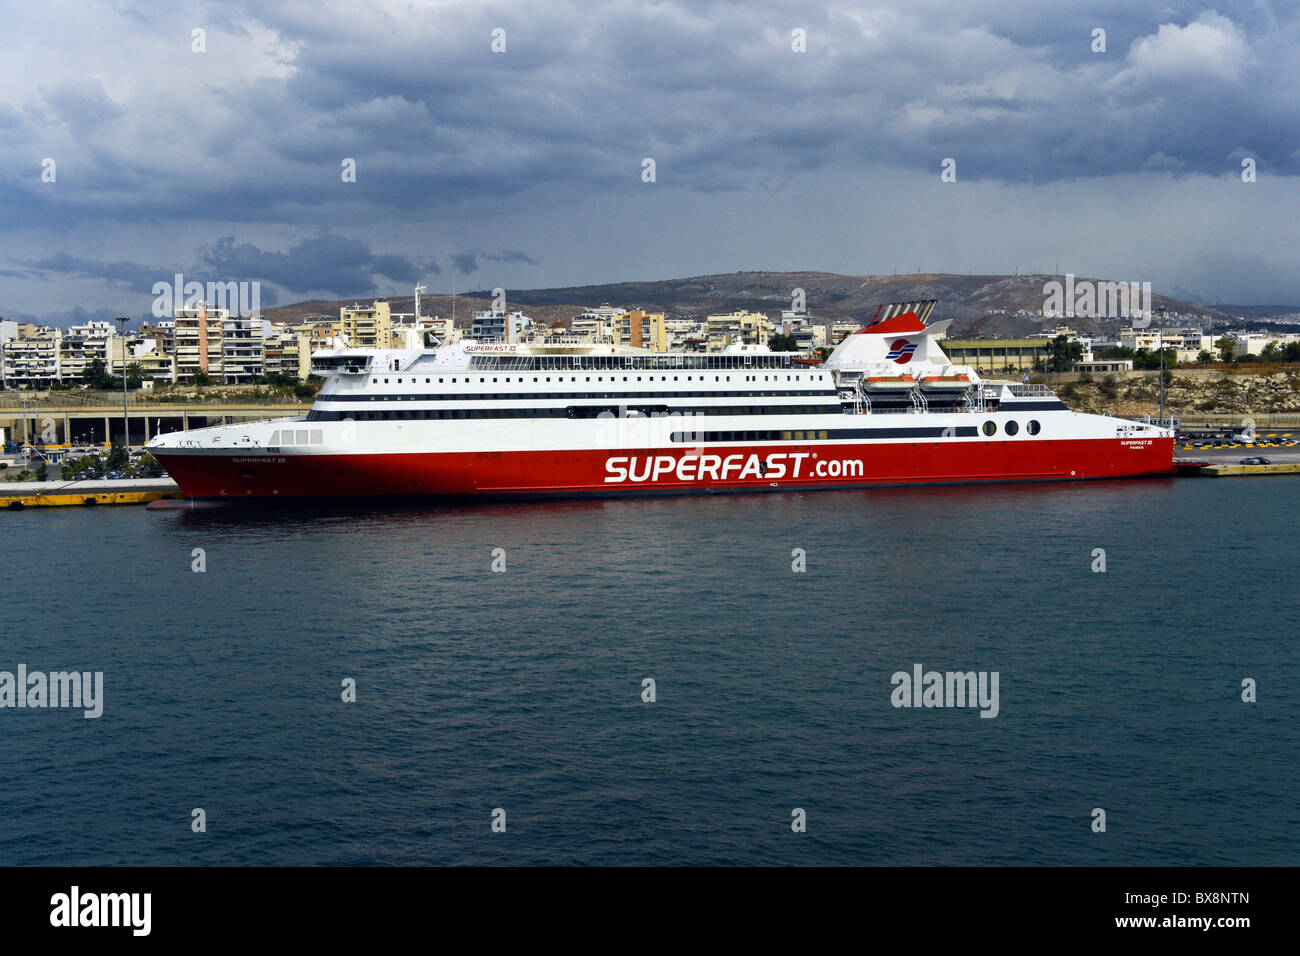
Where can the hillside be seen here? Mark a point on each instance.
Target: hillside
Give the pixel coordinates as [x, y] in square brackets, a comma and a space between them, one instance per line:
[1265, 389]
[976, 302]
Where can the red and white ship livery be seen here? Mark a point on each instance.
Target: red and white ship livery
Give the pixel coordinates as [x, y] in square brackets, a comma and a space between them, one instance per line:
[476, 418]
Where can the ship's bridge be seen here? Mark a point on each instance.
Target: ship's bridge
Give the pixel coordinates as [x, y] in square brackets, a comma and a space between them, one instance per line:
[361, 361]
[341, 361]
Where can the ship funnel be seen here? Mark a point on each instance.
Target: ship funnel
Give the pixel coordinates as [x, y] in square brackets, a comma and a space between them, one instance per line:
[920, 308]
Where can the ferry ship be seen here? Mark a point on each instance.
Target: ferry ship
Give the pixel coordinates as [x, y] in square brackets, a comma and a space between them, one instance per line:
[587, 419]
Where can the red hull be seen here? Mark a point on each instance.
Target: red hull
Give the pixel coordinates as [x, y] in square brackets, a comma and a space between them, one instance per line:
[662, 471]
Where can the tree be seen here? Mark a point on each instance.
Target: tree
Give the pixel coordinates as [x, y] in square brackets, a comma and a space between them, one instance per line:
[1109, 386]
[1205, 357]
[89, 464]
[118, 458]
[200, 379]
[1271, 353]
[1226, 346]
[1145, 358]
[1291, 352]
[1062, 354]
[782, 343]
[96, 375]
[148, 466]
[134, 375]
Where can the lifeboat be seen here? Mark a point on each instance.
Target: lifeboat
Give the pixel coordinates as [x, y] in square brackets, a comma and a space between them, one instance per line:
[890, 383]
[942, 383]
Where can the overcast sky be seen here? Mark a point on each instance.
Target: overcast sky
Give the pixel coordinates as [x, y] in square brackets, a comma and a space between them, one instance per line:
[524, 168]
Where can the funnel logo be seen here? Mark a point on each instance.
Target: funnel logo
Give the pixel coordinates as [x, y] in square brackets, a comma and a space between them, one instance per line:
[901, 351]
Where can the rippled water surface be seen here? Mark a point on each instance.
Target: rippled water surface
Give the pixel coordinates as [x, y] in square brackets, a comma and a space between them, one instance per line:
[522, 690]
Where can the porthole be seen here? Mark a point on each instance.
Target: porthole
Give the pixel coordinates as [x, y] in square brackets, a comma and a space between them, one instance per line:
[1033, 427]
[990, 428]
[1012, 428]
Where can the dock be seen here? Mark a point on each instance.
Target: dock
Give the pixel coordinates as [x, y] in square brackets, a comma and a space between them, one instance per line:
[1208, 470]
[1226, 462]
[17, 495]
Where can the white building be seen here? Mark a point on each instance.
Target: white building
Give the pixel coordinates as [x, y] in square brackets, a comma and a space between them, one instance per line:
[492, 325]
[32, 362]
[243, 350]
[1254, 343]
[81, 345]
[807, 335]
[1188, 343]
[596, 325]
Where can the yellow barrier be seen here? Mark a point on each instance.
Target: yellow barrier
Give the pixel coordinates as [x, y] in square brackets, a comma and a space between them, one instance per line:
[82, 499]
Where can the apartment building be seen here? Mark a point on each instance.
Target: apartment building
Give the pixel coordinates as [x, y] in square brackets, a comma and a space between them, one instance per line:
[146, 352]
[243, 355]
[750, 328]
[640, 329]
[199, 331]
[494, 325]
[81, 346]
[807, 335]
[367, 326]
[31, 361]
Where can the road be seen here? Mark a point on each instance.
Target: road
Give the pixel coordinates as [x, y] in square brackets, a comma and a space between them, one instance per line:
[1230, 456]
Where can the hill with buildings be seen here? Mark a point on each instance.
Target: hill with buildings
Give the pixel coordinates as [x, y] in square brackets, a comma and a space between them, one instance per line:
[987, 305]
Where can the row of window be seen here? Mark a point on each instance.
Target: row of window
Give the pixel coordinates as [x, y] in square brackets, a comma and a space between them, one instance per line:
[1042, 406]
[295, 436]
[839, 434]
[482, 379]
[536, 396]
[651, 362]
[833, 434]
[562, 411]
[990, 428]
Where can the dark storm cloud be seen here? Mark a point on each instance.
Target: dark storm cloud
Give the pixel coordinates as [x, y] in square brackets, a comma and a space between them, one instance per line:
[717, 96]
[516, 255]
[712, 92]
[130, 275]
[331, 264]
[77, 315]
[467, 261]
[402, 268]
